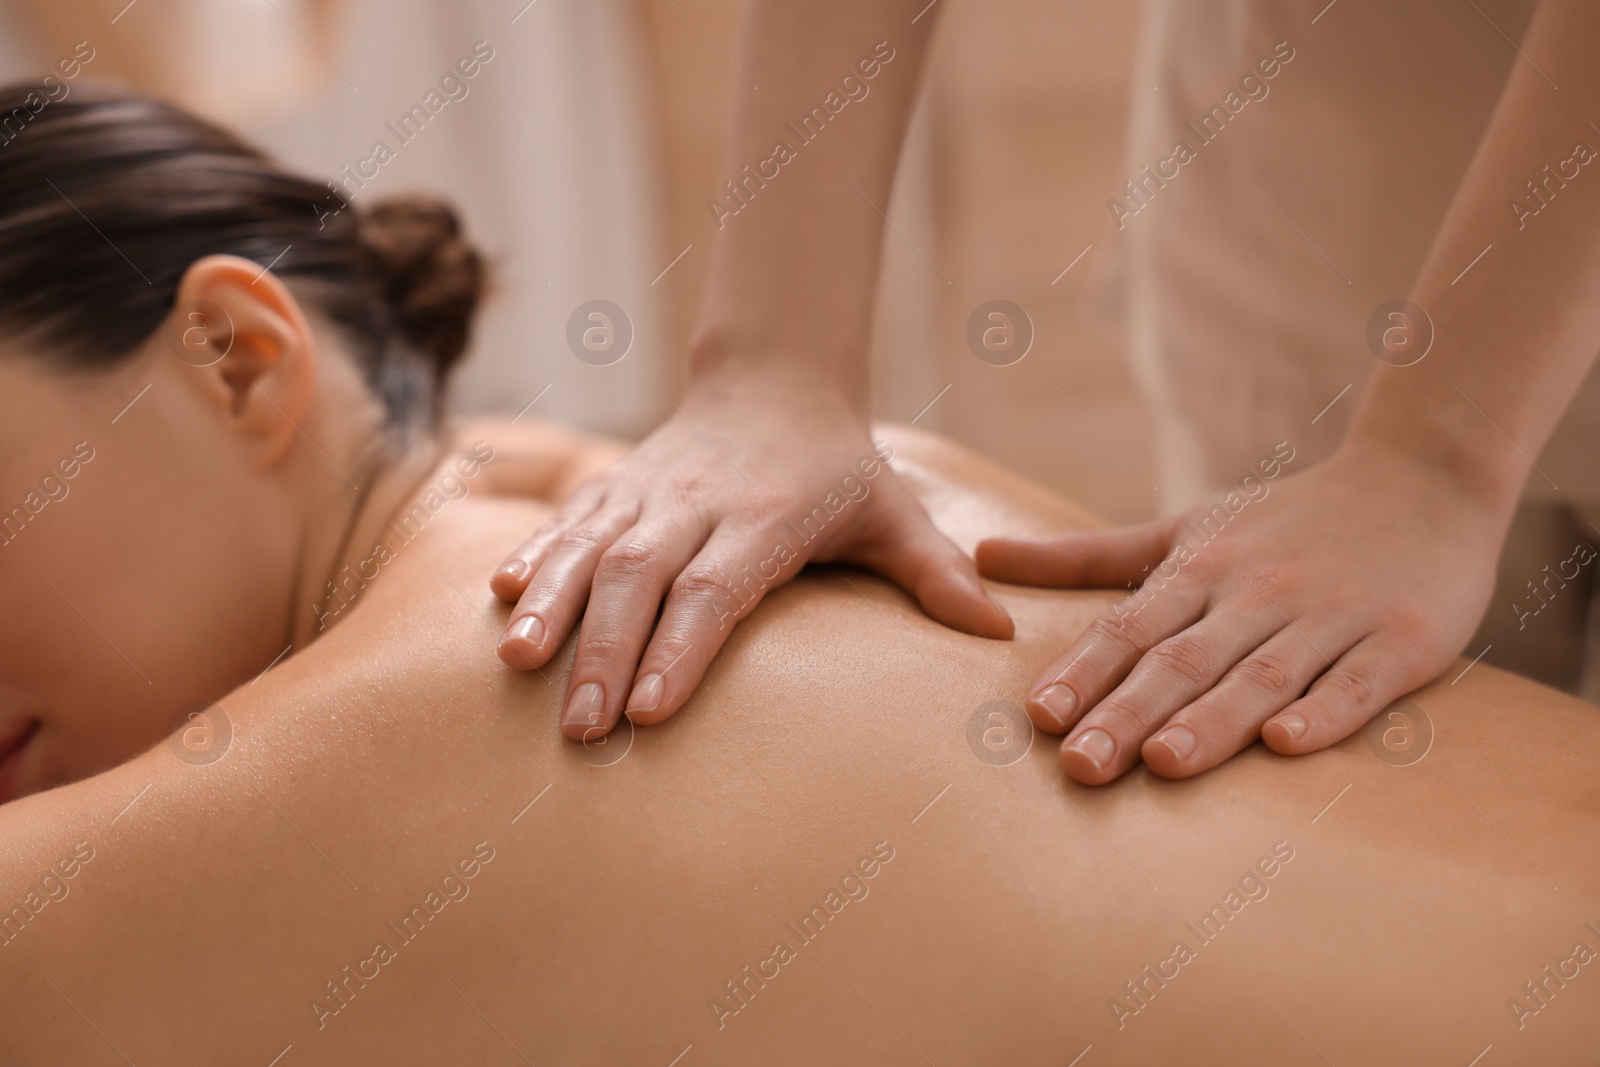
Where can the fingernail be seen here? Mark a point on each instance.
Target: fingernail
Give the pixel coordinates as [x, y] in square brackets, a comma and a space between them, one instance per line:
[1057, 702]
[646, 695]
[527, 630]
[1096, 746]
[1180, 740]
[1293, 723]
[583, 707]
[516, 570]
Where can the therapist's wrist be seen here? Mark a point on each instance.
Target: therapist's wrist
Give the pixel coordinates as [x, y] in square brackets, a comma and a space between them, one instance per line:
[1445, 459]
[761, 371]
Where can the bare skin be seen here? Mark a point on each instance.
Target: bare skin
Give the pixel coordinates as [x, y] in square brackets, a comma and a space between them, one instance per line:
[1312, 613]
[1290, 595]
[778, 409]
[1365, 576]
[175, 529]
[219, 899]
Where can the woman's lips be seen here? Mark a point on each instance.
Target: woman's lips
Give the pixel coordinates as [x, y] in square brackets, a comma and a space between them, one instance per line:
[12, 745]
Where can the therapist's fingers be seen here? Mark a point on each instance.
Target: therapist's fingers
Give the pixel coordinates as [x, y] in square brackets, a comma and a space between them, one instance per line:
[629, 581]
[1364, 681]
[1106, 651]
[1094, 559]
[554, 599]
[912, 553]
[1173, 673]
[510, 580]
[713, 592]
[1229, 717]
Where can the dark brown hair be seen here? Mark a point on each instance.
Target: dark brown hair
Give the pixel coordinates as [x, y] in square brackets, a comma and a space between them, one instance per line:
[107, 198]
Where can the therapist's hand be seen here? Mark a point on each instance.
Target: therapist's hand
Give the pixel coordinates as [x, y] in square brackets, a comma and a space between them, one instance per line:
[750, 480]
[1321, 601]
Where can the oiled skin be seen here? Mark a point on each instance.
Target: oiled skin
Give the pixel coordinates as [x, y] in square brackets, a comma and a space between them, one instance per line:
[1015, 906]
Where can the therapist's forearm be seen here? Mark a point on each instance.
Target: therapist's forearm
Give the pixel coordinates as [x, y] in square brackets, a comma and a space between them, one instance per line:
[649, 551]
[794, 260]
[1517, 333]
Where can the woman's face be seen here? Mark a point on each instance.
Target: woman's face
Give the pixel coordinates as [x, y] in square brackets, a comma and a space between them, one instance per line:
[147, 560]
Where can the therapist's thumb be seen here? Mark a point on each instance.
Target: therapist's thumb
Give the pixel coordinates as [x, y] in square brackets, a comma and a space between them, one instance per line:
[1093, 559]
[912, 553]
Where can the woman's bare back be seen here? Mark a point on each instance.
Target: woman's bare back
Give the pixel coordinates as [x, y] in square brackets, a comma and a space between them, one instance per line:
[849, 848]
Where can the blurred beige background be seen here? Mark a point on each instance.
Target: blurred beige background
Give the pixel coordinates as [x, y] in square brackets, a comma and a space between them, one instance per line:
[1003, 184]
[583, 158]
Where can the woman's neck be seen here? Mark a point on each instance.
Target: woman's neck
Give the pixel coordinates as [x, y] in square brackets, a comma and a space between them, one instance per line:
[346, 551]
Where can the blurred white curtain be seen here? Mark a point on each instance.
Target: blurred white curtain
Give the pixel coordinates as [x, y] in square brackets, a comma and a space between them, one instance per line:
[548, 158]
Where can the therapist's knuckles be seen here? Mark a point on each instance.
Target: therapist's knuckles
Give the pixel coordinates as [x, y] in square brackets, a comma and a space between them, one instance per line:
[1117, 631]
[1149, 615]
[1353, 689]
[609, 645]
[595, 535]
[1268, 675]
[1100, 661]
[1189, 661]
[701, 584]
[631, 558]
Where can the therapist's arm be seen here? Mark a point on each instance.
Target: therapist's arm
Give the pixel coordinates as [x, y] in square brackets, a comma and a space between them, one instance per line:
[768, 463]
[1361, 579]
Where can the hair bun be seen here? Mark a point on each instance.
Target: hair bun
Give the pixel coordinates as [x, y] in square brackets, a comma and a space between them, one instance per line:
[431, 277]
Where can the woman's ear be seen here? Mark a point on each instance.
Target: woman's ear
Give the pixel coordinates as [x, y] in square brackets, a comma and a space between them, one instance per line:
[249, 351]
